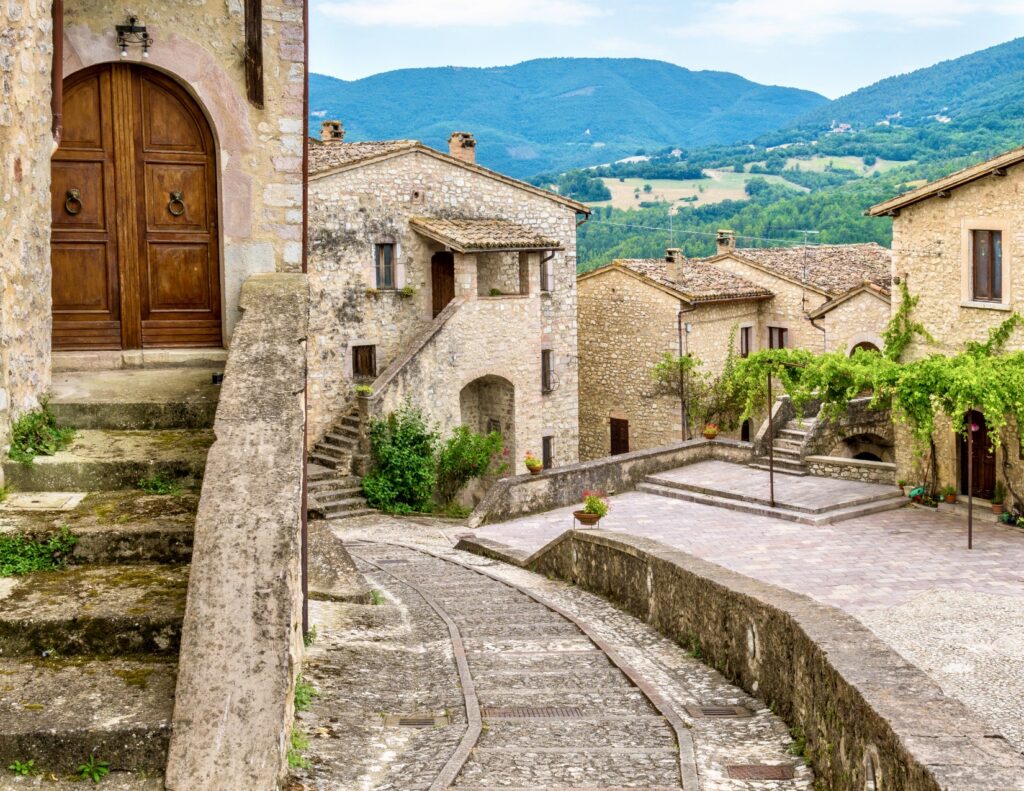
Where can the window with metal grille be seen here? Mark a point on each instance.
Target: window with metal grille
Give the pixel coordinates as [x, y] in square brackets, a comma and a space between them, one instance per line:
[547, 454]
[384, 262]
[547, 377]
[364, 362]
[778, 337]
[987, 265]
[745, 341]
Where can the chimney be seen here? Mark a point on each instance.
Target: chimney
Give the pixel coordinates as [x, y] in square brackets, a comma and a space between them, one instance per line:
[462, 146]
[726, 241]
[332, 132]
[674, 263]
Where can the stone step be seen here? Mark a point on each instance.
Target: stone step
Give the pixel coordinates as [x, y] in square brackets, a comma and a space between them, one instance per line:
[58, 711]
[785, 453]
[792, 435]
[115, 781]
[95, 609]
[780, 468]
[315, 472]
[344, 432]
[782, 443]
[352, 497]
[104, 460]
[351, 419]
[333, 451]
[779, 511]
[331, 513]
[803, 426]
[324, 460]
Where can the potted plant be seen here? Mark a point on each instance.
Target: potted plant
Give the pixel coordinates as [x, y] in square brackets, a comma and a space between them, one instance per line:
[595, 508]
[533, 464]
[998, 497]
[710, 430]
[948, 493]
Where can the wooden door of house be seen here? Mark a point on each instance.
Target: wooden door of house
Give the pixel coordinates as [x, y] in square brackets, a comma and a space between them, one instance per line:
[442, 280]
[619, 435]
[135, 249]
[983, 464]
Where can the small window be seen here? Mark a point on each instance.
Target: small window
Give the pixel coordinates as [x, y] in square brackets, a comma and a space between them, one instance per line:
[745, 431]
[547, 275]
[547, 454]
[384, 262]
[364, 362]
[745, 341]
[778, 337]
[619, 435]
[987, 265]
[493, 425]
[547, 383]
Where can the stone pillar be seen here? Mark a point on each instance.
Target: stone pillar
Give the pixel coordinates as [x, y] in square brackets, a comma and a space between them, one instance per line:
[465, 276]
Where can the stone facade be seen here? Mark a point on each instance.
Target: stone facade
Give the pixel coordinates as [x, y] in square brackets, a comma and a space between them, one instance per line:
[931, 238]
[27, 143]
[498, 339]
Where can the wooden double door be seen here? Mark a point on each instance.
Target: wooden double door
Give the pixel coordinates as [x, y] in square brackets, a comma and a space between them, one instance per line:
[135, 249]
[983, 462]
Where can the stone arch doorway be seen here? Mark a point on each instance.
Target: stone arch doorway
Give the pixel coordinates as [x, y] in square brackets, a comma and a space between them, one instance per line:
[489, 404]
[135, 244]
[867, 346]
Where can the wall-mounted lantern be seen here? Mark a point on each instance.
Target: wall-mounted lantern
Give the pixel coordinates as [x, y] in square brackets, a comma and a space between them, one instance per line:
[131, 34]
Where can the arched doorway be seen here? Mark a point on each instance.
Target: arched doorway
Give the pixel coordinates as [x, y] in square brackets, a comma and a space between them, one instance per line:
[983, 466]
[489, 404]
[135, 248]
[867, 346]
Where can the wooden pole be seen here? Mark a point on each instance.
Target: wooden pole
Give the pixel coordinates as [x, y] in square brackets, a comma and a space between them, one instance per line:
[254, 51]
[970, 481]
[771, 446]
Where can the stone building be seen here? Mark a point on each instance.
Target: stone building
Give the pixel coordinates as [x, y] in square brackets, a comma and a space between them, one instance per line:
[955, 243]
[436, 280]
[178, 174]
[829, 297]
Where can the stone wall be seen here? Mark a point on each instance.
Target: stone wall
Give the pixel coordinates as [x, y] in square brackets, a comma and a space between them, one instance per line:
[838, 436]
[852, 469]
[529, 494]
[260, 150]
[352, 209]
[626, 324]
[930, 243]
[241, 643]
[862, 318]
[26, 142]
[862, 708]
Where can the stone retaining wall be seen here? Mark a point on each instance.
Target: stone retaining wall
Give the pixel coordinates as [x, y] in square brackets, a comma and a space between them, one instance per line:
[528, 494]
[852, 469]
[862, 708]
[241, 644]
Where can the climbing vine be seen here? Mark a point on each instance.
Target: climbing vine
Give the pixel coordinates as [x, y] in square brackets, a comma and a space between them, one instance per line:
[902, 328]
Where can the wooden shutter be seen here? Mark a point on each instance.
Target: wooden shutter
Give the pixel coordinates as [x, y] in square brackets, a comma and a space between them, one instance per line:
[547, 454]
[987, 265]
[546, 379]
[364, 361]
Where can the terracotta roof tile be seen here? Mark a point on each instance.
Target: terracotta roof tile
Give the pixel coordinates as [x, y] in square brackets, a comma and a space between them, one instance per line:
[325, 156]
[474, 235]
[834, 269]
[698, 279]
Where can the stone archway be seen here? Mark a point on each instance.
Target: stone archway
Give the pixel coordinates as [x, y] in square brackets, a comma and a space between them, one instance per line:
[487, 404]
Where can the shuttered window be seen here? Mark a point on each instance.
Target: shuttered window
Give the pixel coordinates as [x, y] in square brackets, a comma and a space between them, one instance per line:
[548, 452]
[547, 378]
[364, 362]
[778, 337]
[987, 265]
[745, 341]
[384, 261]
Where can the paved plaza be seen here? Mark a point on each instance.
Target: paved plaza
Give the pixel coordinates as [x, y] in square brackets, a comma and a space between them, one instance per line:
[906, 574]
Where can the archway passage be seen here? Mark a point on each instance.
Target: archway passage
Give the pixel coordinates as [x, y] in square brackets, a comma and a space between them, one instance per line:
[134, 250]
[867, 346]
[983, 464]
[489, 404]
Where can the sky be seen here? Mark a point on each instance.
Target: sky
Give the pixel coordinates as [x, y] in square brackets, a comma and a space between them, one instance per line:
[829, 46]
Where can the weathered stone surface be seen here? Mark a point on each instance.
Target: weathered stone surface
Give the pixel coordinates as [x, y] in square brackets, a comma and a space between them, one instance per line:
[528, 494]
[825, 672]
[242, 640]
[332, 574]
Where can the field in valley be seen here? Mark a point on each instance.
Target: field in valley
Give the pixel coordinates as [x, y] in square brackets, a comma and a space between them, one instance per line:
[719, 186]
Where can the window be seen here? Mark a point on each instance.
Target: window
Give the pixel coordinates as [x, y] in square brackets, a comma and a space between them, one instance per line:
[745, 431]
[987, 265]
[619, 435]
[745, 341]
[384, 263]
[778, 337]
[547, 455]
[364, 362]
[547, 379]
[547, 274]
[493, 425]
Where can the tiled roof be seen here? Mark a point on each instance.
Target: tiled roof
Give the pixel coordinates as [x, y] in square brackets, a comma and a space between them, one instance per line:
[699, 280]
[831, 268]
[468, 236]
[325, 156]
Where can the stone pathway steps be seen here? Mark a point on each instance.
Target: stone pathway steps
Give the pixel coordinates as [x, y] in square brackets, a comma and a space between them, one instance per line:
[88, 654]
[786, 449]
[527, 698]
[334, 491]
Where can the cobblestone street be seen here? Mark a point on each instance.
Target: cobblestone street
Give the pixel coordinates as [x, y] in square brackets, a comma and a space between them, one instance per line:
[472, 674]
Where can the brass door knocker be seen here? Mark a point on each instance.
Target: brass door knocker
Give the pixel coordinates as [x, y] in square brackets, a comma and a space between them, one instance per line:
[73, 202]
[176, 206]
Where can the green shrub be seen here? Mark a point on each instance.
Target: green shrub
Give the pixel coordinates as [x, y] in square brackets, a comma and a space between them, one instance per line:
[404, 470]
[466, 455]
[36, 433]
[20, 555]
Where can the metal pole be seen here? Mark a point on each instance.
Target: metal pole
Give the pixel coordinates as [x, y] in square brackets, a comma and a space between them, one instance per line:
[683, 417]
[970, 481]
[771, 446]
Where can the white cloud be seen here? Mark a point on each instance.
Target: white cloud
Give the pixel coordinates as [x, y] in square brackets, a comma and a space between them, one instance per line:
[450, 13]
[753, 21]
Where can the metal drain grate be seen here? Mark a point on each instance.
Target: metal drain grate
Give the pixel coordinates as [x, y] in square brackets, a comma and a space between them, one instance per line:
[719, 711]
[415, 721]
[528, 712]
[759, 772]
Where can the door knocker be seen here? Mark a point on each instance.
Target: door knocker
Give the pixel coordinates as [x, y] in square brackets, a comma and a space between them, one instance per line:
[73, 202]
[176, 206]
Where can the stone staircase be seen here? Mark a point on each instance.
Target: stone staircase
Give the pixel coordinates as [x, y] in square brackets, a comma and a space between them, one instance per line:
[333, 491]
[88, 653]
[786, 448]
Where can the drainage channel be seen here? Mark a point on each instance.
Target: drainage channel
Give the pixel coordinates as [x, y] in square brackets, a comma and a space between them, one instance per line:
[549, 703]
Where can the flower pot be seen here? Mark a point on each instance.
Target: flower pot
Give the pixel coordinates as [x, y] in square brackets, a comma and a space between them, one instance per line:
[950, 498]
[710, 434]
[585, 518]
[535, 470]
[997, 508]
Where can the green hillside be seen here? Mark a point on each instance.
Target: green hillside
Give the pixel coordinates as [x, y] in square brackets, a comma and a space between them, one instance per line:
[559, 113]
